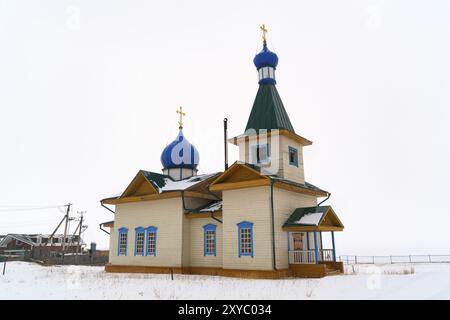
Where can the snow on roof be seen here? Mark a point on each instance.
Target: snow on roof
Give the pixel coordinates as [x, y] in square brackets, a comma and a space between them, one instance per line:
[312, 219]
[213, 207]
[170, 185]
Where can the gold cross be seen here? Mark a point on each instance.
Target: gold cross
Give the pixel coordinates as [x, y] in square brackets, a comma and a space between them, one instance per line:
[264, 31]
[180, 111]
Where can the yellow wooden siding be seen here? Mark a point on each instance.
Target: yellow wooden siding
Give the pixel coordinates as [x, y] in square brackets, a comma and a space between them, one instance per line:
[285, 202]
[166, 215]
[253, 205]
[196, 244]
[186, 250]
[288, 171]
[189, 203]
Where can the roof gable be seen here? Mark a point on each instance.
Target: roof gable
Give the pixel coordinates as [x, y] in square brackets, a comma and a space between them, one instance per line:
[147, 185]
[239, 175]
[320, 218]
[139, 186]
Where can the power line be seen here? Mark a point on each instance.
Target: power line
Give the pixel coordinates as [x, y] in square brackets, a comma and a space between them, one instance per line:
[26, 208]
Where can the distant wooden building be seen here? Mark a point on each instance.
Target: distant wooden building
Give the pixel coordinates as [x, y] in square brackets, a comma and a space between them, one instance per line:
[28, 242]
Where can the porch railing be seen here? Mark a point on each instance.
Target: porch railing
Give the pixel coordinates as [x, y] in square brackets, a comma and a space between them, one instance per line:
[308, 256]
[301, 256]
[326, 255]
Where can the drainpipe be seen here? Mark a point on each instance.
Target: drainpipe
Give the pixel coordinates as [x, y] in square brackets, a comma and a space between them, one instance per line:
[218, 220]
[100, 226]
[328, 197]
[273, 225]
[107, 208]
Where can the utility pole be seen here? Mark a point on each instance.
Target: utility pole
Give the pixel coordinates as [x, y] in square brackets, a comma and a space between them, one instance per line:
[65, 227]
[79, 231]
[57, 227]
[63, 249]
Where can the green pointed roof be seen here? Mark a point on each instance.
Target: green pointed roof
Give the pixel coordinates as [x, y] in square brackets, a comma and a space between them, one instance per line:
[268, 111]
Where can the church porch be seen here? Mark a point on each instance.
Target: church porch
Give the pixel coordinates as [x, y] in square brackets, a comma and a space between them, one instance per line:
[306, 228]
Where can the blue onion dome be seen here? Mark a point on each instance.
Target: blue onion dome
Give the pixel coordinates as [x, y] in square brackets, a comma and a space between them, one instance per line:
[265, 58]
[180, 153]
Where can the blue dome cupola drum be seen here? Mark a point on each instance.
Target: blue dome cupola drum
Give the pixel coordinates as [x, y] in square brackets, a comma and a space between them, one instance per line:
[266, 62]
[180, 158]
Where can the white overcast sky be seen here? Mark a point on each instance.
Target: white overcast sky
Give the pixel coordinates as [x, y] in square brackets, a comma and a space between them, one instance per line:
[88, 92]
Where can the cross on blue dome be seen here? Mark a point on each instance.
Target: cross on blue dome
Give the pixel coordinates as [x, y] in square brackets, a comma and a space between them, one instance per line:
[266, 62]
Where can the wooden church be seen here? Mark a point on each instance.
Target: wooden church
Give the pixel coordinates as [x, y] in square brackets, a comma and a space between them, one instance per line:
[257, 219]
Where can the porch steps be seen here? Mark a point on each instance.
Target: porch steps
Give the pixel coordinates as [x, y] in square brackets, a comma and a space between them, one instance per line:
[331, 271]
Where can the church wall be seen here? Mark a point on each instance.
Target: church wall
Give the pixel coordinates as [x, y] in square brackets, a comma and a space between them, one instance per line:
[252, 205]
[186, 241]
[190, 203]
[112, 240]
[285, 202]
[197, 244]
[166, 215]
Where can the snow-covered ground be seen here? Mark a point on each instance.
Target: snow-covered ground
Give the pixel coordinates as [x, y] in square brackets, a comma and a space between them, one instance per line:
[31, 281]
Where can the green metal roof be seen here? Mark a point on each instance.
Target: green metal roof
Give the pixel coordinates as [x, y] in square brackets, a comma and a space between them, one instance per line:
[296, 217]
[268, 111]
[158, 180]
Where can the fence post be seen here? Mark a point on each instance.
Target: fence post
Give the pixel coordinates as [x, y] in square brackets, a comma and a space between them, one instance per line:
[356, 260]
[410, 260]
[391, 259]
[4, 265]
[373, 259]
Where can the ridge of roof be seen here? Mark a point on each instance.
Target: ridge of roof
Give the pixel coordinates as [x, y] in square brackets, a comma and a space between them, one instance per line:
[299, 213]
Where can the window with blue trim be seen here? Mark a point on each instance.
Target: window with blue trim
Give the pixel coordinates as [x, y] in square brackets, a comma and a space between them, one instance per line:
[261, 153]
[293, 156]
[123, 241]
[151, 241]
[245, 238]
[209, 240]
[139, 241]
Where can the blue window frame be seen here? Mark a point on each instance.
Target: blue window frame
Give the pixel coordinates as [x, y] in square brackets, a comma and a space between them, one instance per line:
[122, 242]
[293, 156]
[139, 241]
[209, 240]
[245, 238]
[151, 233]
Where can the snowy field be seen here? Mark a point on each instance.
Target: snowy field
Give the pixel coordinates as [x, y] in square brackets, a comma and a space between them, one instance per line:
[31, 281]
